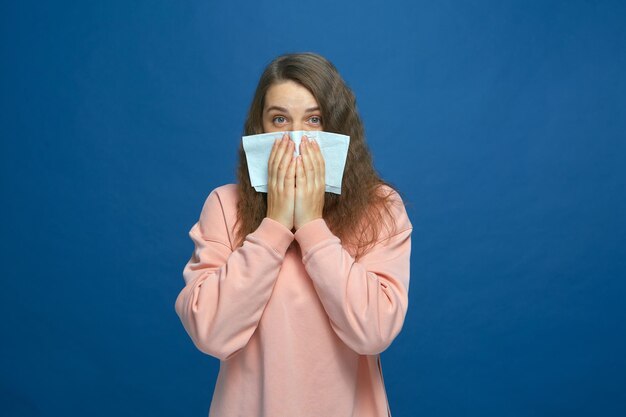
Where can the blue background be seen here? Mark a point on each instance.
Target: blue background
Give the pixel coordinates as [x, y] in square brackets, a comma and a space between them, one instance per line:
[502, 122]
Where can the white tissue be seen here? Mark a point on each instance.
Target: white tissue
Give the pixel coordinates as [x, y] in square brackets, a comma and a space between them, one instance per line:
[334, 148]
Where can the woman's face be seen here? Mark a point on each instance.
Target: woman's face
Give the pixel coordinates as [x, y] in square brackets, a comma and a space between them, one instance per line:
[290, 106]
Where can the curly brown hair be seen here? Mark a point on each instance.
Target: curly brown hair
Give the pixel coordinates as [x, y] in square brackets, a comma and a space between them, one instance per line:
[355, 216]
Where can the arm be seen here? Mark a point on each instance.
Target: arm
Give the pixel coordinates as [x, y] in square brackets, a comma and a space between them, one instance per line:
[226, 291]
[366, 301]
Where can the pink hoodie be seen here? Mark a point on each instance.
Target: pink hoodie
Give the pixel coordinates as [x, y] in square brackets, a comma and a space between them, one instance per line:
[297, 323]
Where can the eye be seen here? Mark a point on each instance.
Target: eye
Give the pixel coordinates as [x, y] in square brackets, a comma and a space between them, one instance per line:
[279, 119]
[316, 120]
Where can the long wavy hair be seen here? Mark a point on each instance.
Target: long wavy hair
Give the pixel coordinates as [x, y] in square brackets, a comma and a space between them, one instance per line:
[357, 215]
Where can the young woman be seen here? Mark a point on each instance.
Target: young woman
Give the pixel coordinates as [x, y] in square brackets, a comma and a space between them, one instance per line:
[297, 291]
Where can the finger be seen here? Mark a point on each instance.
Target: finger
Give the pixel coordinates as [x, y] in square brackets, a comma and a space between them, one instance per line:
[290, 180]
[311, 171]
[319, 164]
[300, 176]
[278, 158]
[273, 151]
[273, 154]
[284, 163]
[279, 150]
[307, 162]
[284, 144]
[270, 161]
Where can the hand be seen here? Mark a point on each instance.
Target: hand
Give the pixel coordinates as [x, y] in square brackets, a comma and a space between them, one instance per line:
[281, 182]
[310, 183]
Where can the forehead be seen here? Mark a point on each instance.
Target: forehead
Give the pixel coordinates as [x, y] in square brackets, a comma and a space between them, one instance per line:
[289, 94]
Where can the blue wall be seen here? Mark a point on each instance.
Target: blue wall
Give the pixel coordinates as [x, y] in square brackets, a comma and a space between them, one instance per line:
[503, 122]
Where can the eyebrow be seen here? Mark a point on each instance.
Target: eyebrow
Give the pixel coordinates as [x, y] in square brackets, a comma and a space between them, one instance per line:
[284, 110]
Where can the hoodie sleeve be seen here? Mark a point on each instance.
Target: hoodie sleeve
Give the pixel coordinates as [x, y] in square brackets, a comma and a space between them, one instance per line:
[226, 291]
[366, 301]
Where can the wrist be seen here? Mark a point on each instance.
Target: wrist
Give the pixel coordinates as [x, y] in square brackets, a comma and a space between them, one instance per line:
[298, 225]
[284, 222]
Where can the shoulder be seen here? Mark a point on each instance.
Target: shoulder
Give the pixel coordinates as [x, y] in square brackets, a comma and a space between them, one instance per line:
[225, 195]
[395, 208]
[219, 211]
[227, 191]
[386, 218]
